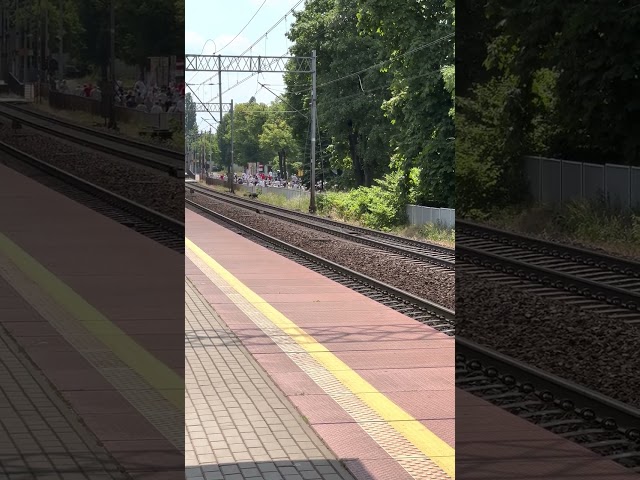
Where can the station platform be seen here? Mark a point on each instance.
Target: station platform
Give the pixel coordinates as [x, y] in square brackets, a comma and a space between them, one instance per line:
[496, 445]
[93, 327]
[374, 385]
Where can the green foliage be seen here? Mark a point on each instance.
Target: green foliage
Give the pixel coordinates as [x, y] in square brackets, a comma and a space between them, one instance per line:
[379, 206]
[421, 99]
[402, 108]
[352, 124]
[145, 28]
[190, 118]
[488, 148]
[587, 46]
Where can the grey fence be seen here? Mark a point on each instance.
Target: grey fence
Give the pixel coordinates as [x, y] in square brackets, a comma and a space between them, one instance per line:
[418, 215]
[553, 181]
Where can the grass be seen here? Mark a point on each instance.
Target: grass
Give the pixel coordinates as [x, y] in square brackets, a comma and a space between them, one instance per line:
[434, 233]
[592, 225]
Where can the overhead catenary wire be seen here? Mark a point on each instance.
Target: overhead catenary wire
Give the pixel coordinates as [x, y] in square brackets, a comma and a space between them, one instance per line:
[264, 35]
[380, 64]
[272, 27]
[284, 101]
[243, 28]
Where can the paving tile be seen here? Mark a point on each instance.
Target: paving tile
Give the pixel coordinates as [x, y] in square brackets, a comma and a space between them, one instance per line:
[253, 426]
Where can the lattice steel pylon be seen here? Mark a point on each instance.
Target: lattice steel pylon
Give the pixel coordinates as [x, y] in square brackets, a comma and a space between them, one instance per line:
[259, 64]
[212, 107]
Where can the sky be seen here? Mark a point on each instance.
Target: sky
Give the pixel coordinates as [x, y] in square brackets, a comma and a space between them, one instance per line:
[211, 24]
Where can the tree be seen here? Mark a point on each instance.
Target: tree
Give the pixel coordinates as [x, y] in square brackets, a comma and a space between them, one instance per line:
[148, 28]
[569, 88]
[418, 38]
[349, 115]
[277, 143]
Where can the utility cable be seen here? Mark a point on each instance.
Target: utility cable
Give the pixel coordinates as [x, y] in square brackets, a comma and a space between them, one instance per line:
[243, 28]
[380, 64]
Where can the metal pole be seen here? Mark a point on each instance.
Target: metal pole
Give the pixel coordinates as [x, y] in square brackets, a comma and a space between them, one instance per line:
[312, 203]
[231, 161]
[61, 51]
[220, 85]
[112, 79]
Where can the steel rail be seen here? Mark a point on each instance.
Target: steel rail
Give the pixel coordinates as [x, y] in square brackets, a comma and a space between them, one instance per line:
[173, 227]
[332, 228]
[405, 297]
[166, 160]
[363, 230]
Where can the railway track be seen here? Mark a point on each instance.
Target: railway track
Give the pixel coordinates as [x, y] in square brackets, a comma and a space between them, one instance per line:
[151, 156]
[423, 252]
[598, 423]
[160, 228]
[595, 282]
[431, 314]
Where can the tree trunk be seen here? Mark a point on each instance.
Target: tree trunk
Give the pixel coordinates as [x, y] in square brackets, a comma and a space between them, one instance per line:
[355, 158]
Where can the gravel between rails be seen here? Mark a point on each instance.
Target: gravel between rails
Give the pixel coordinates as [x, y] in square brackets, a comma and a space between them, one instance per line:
[152, 189]
[580, 346]
[420, 280]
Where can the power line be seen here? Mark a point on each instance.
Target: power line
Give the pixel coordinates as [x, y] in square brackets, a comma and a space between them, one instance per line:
[380, 64]
[274, 26]
[284, 101]
[385, 86]
[240, 82]
[243, 28]
[198, 98]
[263, 36]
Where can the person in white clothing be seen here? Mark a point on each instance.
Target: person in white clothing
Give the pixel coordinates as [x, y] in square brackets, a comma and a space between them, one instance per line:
[141, 108]
[156, 108]
[96, 93]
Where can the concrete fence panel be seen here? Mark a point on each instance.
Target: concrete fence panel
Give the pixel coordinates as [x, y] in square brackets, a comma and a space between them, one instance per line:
[419, 215]
[617, 182]
[593, 181]
[571, 181]
[635, 187]
[553, 181]
[532, 167]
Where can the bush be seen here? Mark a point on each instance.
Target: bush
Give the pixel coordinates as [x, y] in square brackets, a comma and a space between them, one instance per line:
[380, 206]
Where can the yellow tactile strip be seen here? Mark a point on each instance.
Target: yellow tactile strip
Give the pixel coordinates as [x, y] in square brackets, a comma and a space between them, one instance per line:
[418, 450]
[237, 423]
[98, 340]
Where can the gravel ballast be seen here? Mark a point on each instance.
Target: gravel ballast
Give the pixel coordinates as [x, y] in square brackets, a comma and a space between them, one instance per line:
[143, 185]
[418, 279]
[561, 339]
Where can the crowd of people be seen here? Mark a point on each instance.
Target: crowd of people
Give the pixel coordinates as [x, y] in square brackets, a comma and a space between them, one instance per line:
[264, 180]
[142, 97]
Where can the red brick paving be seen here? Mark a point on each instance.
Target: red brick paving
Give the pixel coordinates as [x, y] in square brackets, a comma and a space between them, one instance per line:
[122, 274]
[495, 445]
[367, 336]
